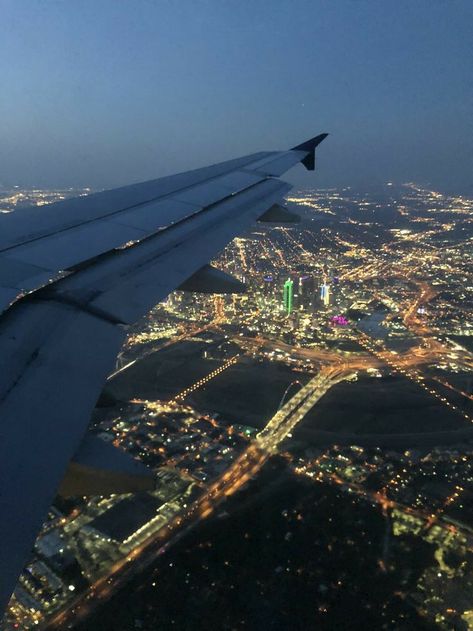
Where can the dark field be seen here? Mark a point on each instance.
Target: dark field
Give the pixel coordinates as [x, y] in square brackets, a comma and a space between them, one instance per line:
[164, 373]
[250, 392]
[388, 405]
[379, 410]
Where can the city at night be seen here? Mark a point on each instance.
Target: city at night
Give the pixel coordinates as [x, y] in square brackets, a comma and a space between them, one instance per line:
[340, 378]
[236, 396]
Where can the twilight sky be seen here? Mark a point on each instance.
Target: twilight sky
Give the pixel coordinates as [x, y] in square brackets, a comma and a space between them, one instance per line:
[106, 92]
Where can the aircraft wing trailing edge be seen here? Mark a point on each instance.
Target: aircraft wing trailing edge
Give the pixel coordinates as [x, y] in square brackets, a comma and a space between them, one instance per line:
[73, 276]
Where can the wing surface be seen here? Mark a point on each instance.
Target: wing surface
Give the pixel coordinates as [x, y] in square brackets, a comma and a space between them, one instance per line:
[73, 275]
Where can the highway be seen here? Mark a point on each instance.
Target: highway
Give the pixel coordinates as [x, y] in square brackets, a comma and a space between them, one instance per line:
[284, 421]
[430, 352]
[188, 333]
[248, 464]
[234, 478]
[403, 366]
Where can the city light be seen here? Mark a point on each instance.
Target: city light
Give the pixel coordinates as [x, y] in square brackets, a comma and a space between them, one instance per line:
[370, 308]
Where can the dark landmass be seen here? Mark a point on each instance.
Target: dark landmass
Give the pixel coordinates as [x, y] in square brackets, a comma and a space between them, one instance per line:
[388, 405]
[163, 374]
[249, 392]
[390, 412]
[282, 554]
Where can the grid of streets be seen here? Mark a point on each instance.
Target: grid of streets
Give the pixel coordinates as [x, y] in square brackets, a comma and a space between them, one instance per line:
[362, 380]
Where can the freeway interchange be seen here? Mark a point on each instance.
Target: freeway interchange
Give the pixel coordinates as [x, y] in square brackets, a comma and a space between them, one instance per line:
[334, 367]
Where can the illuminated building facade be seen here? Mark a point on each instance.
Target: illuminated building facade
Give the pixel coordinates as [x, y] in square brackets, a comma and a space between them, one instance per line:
[325, 294]
[288, 296]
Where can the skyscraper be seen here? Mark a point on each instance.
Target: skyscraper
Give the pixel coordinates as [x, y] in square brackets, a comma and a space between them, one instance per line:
[325, 293]
[287, 296]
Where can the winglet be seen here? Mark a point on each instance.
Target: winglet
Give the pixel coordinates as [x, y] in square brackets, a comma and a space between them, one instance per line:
[309, 146]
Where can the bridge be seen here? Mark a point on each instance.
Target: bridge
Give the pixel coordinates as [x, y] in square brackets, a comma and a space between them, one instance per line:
[292, 412]
[245, 467]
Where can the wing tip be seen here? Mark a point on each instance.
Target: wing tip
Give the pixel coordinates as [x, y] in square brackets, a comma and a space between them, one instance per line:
[309, 146]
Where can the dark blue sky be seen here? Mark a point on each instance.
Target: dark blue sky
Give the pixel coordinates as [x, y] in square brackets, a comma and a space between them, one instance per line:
[104, 92]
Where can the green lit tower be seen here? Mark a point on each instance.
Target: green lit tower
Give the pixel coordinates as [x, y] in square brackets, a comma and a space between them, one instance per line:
[287, 296]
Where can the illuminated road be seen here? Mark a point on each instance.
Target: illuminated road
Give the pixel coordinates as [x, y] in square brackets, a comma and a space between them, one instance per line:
[426, 293]
[404, 367]
[434, 352]
[195, 330]
[234, 478]
[448, 385]
[284, 421]
[200, 383]
[336, 366]
[406, 364]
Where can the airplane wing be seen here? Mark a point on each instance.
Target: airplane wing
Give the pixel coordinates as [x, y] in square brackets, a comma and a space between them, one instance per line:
[73, 276]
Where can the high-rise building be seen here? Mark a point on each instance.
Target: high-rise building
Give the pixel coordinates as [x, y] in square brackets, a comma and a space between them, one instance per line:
[325, 294]
[268, 285]
[288, 295]
[306, 291]
[219, 308]
[306, 285]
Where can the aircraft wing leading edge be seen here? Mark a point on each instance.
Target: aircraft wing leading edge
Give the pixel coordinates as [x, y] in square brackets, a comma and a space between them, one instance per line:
[73, 275]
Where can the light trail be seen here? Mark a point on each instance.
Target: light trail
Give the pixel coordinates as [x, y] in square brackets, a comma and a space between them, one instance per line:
[200, 383]
[122, 369]
[274, 248]
[416, 356]
[292, 412]
[283, 398]
[241, 251]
